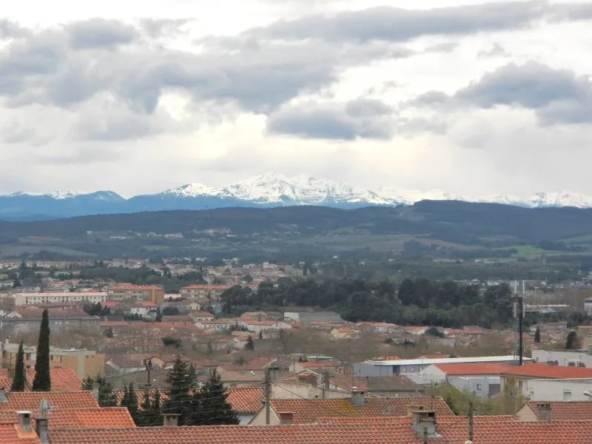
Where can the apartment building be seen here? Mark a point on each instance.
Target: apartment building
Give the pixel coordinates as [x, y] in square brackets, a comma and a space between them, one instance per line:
[91, 297]
[150, 293]
[83, 362]
[203, 291]
[28, 318]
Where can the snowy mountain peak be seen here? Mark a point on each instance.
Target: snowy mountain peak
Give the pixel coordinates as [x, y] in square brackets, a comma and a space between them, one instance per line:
[70, 194]
[191, 190]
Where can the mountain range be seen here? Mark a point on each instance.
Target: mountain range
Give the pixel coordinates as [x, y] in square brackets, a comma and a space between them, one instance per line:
[267, 190]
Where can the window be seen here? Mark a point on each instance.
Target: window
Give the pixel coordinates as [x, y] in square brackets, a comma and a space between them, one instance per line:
[567, 395]
[478, 387]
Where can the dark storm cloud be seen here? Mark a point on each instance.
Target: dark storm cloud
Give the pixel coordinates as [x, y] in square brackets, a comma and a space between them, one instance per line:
[356, 119]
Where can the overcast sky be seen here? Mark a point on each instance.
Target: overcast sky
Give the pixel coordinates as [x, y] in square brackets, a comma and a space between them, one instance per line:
[470, 97]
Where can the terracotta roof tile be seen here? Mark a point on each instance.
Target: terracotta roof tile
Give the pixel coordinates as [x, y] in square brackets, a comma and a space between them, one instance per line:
[567, 411]
[31, 400]
[62, 379]
[245, 400]
[93, 418]
[543, 370]
[488, 368]
[318, 434]
[307, 411]
[10, 434]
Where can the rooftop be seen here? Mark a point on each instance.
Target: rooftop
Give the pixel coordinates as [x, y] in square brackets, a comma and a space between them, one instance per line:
[427, 361]
[31, 400]
[494, 368]
[543, 370]
[567, 411]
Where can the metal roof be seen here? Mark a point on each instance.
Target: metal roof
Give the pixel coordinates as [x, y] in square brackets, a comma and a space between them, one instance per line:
[427, 361]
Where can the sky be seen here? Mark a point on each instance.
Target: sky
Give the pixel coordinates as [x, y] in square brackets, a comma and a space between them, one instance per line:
[470, 97]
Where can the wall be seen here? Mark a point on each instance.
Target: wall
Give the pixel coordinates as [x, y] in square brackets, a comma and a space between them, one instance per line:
[363, 369]
[563, 357]
[481, 386]
[554, 389]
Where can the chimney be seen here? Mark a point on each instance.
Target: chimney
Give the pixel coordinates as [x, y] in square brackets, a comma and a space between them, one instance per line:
[357, 398]
[286, 418]
[24, 420]
[171, 419]
[42, 427]
[543, 412]
[424, 423]
[413, 408]
[3, 397]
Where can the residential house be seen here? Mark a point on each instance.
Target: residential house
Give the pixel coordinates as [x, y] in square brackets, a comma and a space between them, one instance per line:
[526, 376]
[546, 411]
[193, 292]
[150, 293]
[28, 318]
[317, 316]
[199, 316]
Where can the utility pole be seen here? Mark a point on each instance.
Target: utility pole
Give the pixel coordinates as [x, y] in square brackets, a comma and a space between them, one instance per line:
[267, 386]
[471, 421]
[326, 383]
[519, 315]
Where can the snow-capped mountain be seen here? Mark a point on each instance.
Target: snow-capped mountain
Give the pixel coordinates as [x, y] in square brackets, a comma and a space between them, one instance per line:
[267, 190]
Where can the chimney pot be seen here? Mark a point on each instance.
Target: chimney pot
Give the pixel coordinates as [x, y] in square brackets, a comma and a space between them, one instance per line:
[357, 398]
[286, 418]
[171, 419]
[24, 420]
[543, 412]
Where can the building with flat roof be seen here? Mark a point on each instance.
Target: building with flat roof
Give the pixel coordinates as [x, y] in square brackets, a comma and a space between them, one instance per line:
[91, 297]
[150, 293]
[203, 291]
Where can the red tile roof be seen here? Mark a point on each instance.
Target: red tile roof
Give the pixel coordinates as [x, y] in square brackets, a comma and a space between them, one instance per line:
[542, 370]
[307, 411]
[245, 400]
[317, 434]
[567, 411]
[95, 418]
[10, 434]
[408, 419]
[62, 379]
[518, 432]
[492, 368]
[31, 400]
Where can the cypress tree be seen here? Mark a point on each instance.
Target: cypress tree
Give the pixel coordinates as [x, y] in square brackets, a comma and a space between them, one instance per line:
[42, 381]
[215, 408]
[18, 382]
[144, 414]
[125, 398]
[537, 335]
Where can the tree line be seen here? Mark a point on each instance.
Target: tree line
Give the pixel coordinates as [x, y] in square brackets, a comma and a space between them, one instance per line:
[206, 405]
[413, 302]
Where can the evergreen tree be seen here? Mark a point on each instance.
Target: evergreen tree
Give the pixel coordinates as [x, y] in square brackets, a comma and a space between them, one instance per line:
[181, 378]
[144, 414]
[132, 403]
[572, 342]
[214, 408]
[155, 410]
[18, 382]
[106, 396]
[42, 381]
[158, 315]
[87, 384]
[250, 345]
[537, 335]
[125, 398]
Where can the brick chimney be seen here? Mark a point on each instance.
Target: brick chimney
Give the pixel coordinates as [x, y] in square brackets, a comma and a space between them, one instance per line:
[171, 419]
[42, 427]
[543, 412]
[357, 398]
[424, 424]
[24, 420]
[286, 418]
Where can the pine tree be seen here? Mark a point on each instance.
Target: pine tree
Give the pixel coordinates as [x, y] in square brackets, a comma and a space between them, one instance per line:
[155, 411]
[106, 396]
[181, 378]
[214, 406]
[250, 345]
[132, 403]
[42, 381]
[18, 382]
[125, 398]
[537, 335]
[144, 414]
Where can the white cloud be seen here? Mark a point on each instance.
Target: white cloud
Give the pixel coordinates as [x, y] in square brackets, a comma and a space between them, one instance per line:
[97, 96]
